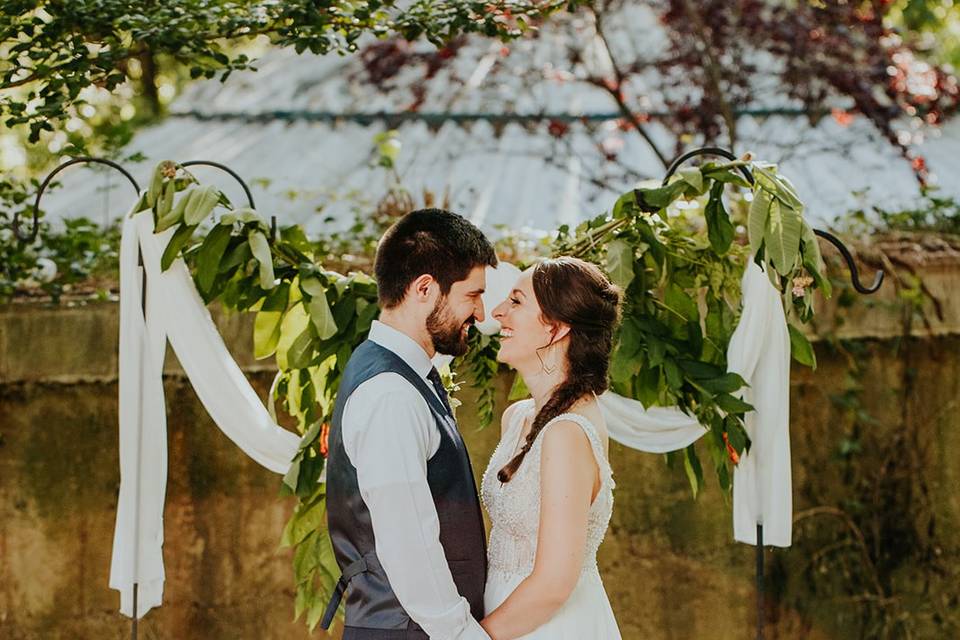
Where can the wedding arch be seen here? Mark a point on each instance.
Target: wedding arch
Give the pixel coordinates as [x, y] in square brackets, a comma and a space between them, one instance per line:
[704, 348]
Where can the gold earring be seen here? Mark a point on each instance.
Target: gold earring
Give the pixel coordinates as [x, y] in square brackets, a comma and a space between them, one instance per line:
[549, 369]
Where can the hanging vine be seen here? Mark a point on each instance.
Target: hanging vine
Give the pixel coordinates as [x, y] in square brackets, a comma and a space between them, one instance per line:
[681, 306]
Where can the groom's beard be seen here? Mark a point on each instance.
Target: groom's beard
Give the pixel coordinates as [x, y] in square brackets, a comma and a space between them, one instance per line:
[446, 332]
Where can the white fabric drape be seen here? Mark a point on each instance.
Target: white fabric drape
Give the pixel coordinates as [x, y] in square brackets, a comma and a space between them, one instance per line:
[759, 351]
[176, 312]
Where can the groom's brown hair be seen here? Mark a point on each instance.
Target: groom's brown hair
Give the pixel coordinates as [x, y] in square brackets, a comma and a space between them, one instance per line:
[433, 241]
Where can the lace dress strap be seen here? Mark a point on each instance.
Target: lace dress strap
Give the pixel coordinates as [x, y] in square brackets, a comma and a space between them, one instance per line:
[606, 471]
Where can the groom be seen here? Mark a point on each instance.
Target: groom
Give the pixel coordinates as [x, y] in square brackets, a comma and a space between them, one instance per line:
[402, 506]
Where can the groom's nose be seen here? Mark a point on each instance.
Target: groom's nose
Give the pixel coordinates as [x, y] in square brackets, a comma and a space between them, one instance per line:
[478, 314]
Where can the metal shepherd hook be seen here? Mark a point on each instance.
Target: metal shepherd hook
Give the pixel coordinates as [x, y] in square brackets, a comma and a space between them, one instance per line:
[855, 280]
[32, 236]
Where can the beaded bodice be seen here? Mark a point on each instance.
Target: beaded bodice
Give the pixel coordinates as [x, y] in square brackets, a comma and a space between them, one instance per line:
[514, 507]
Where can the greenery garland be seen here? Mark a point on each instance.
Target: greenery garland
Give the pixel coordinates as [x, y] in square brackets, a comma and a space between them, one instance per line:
[681, 306]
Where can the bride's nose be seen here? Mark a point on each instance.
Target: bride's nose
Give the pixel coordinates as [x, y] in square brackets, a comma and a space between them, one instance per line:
[497, 312]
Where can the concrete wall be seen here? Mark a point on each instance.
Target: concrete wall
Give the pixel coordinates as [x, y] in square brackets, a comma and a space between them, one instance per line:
[668, 562]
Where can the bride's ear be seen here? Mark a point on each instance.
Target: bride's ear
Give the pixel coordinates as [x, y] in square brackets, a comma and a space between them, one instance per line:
[560, 331]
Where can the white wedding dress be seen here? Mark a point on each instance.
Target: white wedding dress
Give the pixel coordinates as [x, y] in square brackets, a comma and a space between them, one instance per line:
[514, 510]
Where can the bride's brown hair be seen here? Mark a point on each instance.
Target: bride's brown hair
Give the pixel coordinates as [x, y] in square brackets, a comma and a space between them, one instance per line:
[576, 293]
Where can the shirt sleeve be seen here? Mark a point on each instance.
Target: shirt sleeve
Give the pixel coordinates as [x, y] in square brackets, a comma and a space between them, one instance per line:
[389, 434]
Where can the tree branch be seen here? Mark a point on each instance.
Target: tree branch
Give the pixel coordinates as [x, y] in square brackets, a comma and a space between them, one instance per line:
[712, 68]
[617, 95]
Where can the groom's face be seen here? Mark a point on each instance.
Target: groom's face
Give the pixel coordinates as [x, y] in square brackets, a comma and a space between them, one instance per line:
[455, 312]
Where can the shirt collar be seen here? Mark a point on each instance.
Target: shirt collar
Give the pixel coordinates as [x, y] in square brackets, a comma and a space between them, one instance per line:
[402, 345]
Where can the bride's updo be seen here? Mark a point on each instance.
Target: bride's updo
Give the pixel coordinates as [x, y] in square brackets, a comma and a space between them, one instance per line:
[576, 293]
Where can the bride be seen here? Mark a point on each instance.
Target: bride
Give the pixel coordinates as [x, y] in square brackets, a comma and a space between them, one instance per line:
[549, 487]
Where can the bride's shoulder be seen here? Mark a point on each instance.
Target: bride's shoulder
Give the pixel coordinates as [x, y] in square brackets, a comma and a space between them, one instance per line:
[511, 413]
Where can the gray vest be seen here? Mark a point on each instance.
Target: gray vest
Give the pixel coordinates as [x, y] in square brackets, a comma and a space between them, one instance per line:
[372, 609]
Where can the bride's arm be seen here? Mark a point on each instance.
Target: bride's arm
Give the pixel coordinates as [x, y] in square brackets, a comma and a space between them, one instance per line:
[567, 475]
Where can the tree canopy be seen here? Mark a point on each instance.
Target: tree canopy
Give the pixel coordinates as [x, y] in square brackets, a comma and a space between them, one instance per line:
[54, 49]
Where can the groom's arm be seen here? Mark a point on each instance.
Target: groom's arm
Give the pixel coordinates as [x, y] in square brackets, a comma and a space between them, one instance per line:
[389, 434]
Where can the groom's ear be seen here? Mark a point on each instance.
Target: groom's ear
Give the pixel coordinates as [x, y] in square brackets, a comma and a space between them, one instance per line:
[422, 287]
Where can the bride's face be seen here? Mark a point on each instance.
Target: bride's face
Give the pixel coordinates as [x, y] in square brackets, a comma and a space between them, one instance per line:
[522, 329]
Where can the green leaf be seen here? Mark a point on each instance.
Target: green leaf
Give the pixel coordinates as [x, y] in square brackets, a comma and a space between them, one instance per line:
[300, 352]
[295, 322]
[700, 370]
[691, 465]
[208, 257]
[261, 251]
[278, 299]
[243, 214]
[736, 434]
[202, 201]
[165, 202]
[813, 260]
[782, 237]
[622, 367]
[719, 228]
[518, 390]
[731, 404]
[656, 350]
[620, 262]
[156, 184]
[266, 333]
[238, 255]
[647, 386]
[727, 383]
[673, 375]
[800, 348]
[653, 200]
[678, 301]
[322, 317]
[776, 185]
[365, 317]
[630, 338]
[307, 519]
[313, 287]
[174, 216]
[312, 433]
[624, 203]
[179, 239]
[693, 177]
[757, 219]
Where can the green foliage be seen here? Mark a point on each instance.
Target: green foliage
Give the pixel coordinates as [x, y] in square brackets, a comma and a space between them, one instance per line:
[481, 365]
[82, 257]
[931, 214]
[57, 49]
[682, 292]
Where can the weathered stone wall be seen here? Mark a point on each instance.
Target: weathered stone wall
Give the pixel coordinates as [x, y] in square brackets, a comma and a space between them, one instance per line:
[669, 563]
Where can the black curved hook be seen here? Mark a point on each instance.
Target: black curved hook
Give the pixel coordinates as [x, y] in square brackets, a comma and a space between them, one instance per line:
[46, 182]
[236, 176]
[854, 274]
[705, 151]
[832, 239]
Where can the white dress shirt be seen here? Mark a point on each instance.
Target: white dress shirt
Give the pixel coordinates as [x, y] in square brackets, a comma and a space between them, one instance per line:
[389, 434]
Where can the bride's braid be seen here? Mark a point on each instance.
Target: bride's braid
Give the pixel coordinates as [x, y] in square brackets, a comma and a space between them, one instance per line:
[577, 293]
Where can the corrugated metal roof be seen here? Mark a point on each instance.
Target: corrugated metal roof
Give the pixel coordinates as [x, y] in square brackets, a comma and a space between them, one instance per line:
[279, 128]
